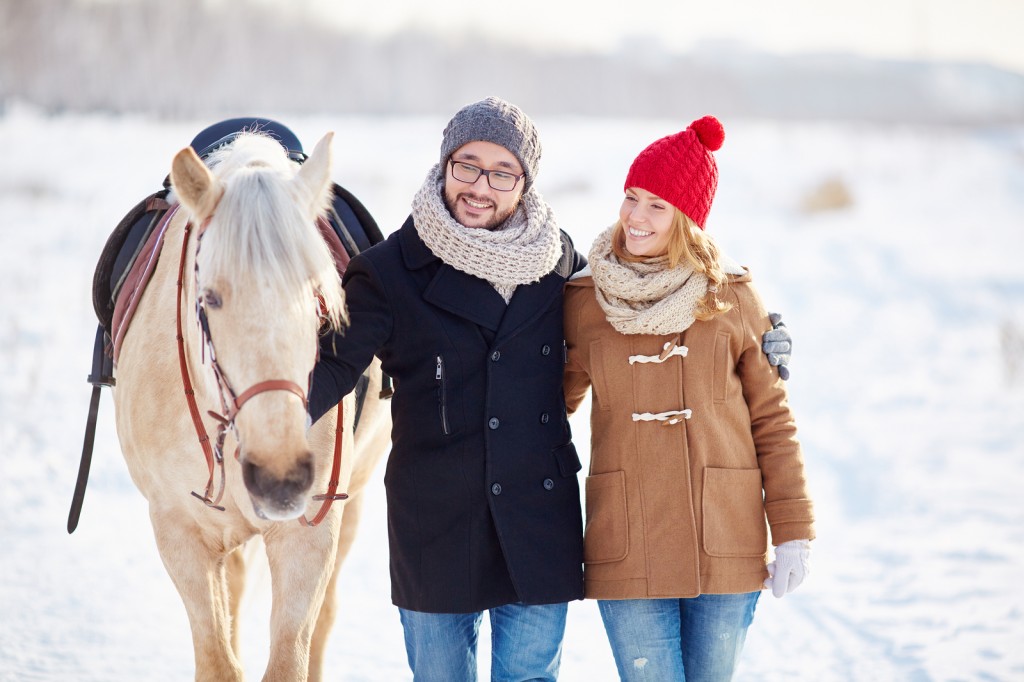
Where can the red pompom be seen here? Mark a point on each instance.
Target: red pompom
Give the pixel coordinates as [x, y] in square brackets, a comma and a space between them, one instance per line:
[710, 132]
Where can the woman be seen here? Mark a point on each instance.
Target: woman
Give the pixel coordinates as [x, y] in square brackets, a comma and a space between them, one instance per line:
[693, 442]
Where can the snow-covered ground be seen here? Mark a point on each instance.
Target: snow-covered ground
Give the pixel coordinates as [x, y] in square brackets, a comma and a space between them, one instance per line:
[907, 309]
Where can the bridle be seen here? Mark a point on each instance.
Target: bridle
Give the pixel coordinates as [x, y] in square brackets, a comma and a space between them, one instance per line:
[232, 402]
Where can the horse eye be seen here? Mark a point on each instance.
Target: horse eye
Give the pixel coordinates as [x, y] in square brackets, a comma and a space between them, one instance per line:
[211, 299]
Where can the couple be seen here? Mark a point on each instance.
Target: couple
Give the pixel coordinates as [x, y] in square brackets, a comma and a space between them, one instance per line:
[693, 441]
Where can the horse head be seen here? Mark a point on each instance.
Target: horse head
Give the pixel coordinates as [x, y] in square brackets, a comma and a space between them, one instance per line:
[264, 284]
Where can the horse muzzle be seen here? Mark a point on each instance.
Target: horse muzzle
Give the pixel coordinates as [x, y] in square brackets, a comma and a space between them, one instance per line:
[279, 496]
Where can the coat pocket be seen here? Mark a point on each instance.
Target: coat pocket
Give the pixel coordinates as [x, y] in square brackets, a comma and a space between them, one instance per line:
[733, 506]
[606, 536]
[568, 461]
[442, 395]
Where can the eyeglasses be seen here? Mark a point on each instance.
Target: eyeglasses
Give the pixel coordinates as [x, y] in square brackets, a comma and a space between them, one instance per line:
[499, 180]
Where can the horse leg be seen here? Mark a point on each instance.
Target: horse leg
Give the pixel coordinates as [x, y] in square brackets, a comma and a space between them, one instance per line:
[371, 441]
[329, 609]
[235, 570]
[301, 562]
[198, 572]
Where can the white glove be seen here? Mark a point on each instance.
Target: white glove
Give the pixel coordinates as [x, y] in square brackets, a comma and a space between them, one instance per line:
[791, 566]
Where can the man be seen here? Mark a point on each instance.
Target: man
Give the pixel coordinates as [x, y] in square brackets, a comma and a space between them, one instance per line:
[463, 305]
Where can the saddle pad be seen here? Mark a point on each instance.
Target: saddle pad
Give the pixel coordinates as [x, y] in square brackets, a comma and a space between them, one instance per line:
[136, 280]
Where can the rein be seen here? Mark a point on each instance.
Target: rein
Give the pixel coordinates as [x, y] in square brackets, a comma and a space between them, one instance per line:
[214, 454]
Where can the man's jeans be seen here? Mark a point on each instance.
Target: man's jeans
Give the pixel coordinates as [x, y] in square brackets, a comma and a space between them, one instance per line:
[526, 643]
[677, 640]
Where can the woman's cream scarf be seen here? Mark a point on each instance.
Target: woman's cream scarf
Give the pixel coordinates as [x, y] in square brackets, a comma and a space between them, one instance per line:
[646, 297]
[521, 250]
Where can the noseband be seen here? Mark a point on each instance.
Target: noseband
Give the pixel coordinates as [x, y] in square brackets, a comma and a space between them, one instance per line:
[231, 401]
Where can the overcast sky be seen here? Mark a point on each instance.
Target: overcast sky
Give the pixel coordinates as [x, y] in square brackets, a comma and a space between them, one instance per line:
[973, 30]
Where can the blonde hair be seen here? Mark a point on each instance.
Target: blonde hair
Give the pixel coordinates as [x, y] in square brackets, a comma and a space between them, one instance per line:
[687, 242]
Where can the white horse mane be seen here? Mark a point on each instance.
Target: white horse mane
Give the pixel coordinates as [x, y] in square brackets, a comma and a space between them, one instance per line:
[259, 235]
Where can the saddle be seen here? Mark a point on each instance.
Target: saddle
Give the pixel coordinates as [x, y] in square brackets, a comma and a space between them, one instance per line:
[130, 255]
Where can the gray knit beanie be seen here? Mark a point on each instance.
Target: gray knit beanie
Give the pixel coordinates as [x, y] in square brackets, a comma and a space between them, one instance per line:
[495, 120]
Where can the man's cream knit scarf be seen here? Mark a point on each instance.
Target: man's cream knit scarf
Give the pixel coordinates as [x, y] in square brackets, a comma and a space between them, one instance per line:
[521, 250]
[646, 297]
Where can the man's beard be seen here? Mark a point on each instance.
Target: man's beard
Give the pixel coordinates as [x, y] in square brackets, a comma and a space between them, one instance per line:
[496, 221]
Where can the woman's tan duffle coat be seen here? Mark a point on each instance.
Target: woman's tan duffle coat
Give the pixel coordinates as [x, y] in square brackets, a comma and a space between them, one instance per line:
[678, 509]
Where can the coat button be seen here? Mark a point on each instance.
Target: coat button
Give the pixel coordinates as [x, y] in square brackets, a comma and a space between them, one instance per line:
[493, 423]
[496, 489]
[544, 418]
[495, 356]
[548, 484]
[545, 349]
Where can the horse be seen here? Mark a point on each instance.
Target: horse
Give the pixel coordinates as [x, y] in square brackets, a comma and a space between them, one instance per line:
[231, 317]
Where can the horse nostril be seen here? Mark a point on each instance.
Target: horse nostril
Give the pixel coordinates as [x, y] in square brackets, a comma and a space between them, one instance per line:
[282, 491]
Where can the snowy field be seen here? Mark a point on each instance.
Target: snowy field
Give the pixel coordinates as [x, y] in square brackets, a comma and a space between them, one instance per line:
[907, 308]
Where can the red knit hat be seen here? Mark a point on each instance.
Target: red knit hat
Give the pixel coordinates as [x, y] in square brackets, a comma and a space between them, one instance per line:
[680, 168]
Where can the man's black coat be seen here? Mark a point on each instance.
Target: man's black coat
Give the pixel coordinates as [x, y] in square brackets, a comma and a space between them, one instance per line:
[483, 499]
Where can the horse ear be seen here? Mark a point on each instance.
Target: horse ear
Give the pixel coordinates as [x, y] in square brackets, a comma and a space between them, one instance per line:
[314, 176]
[194, 185]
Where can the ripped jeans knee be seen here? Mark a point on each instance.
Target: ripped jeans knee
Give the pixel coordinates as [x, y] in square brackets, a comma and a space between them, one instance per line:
[678, 640]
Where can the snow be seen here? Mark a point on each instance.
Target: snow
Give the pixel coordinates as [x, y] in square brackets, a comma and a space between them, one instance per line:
[910, 410]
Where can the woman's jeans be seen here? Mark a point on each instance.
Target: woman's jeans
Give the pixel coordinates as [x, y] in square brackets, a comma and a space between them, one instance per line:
[526, 643]
[677, 640]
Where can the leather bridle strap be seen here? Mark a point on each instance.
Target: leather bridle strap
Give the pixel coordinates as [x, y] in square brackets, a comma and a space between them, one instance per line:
[332, 493]
[212, 458]
[263, 386]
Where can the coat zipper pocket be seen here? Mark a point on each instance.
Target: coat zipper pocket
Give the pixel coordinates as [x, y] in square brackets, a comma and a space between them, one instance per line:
[442, 395]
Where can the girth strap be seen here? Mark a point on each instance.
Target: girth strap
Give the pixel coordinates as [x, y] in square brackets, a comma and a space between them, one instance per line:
[83, 466]
[102, 375]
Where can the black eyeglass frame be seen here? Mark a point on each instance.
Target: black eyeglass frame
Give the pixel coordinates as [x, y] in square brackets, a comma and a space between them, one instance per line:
[487, 174]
